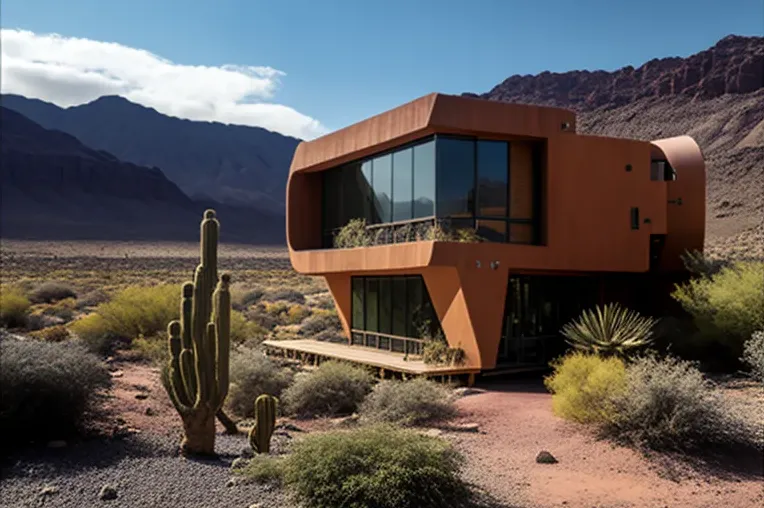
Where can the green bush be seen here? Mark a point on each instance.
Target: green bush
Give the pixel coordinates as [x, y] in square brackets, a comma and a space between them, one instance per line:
[753, 355]
[14, 307]
[728, 306]
[135, 311]
[253, 374]
[241, 300]
[353, 234]
[668, 404]
[57, 333]
[318, 323]
[609, 330]
[332, 389]
[372, 467]
[415, 402]
[49, 292]
[46, 388]
[583, 387]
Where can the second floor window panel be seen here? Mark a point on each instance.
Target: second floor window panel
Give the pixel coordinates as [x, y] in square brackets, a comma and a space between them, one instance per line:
[455, 177]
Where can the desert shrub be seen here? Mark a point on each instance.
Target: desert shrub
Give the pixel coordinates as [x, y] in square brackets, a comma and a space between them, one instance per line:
[154, 349]
[583, 387]
[49, 292]
[325, 302]
[63, 309]
[136, 310]
[277, 309]
[297, 313]
[260, 317]
[253, 374]
[609, 330]
[436, 351]
[668, 404]
[92, 299]
[698, 263]
[753, 355]
[353, 234]
[285, 295]
[265, 469]
[415, 402]
[13, 307]
[377, 466]
[241, 300]
[46, 388]
[332, 389]
[243, 330]
[57, 333]
[95, 333]
[728, 306]
[330, 336]
[320, 322]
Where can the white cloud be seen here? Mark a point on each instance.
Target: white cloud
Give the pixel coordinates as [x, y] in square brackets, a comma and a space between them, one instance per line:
[68, 71]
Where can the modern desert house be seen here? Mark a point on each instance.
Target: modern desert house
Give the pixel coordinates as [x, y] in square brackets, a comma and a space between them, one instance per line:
[491, 223]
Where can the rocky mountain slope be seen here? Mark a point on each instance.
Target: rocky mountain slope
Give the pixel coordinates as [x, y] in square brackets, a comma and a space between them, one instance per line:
[231, 164]
[716, 96]
[54, 187]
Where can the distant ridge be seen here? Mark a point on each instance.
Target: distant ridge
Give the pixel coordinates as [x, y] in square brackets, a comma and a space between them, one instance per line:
[231, 164]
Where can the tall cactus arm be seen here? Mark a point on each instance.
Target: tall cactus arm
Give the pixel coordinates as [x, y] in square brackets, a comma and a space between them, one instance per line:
[222, 317]
[186, 314]
[265, 422]
[210, 232]
[176, 386]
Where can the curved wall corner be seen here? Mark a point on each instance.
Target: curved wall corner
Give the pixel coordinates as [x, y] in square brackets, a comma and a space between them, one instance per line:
[686, 199]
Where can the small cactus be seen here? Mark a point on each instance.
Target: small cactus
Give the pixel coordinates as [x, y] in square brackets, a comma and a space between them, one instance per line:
[265, 421]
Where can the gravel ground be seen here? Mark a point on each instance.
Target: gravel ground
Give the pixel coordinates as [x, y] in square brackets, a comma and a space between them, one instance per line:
[145, 471]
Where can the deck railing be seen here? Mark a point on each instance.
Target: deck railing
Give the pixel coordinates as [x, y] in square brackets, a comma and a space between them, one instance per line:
[387, 342]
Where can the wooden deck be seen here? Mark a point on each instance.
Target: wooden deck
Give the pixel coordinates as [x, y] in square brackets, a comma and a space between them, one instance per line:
[384, 360]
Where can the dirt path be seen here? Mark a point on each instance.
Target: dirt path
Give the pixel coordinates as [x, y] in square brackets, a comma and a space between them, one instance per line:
[516, 422]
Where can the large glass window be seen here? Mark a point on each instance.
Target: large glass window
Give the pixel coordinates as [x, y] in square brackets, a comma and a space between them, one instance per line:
[424, 180]
[493, 171]
[383, 188]
[455, 177]
[403, 181]
[398, 306]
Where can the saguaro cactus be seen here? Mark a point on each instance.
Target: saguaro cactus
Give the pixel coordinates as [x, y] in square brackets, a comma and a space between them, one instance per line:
[196, 377]
[265, 422]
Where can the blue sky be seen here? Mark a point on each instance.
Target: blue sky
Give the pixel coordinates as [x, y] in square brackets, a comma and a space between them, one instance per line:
[343, 60]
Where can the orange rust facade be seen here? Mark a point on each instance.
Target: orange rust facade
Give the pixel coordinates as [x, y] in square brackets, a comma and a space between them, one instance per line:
[588, 186]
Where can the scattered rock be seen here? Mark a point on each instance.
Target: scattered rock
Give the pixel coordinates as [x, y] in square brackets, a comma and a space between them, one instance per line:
[231, 482]
[109, 360]
[124, 431]
[544, 457]
[117, 373]
[49, 490]
[239, 463]
[141, 388]
[141, 396]
[247, 452]
[58, 443]
[345, 421]
[107, 493]
[149, 412]
[465, 391]
[254, 505]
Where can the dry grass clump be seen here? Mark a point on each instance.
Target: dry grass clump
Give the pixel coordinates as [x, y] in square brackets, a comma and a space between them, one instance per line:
[14, 306]
[333, 389]
[320, 322]
[284, 294]
[46, 388]
[57, 333]
[667, 404]
[377, 466]
[253, 374]
[416, 402]
[49, 292]
[753, 355]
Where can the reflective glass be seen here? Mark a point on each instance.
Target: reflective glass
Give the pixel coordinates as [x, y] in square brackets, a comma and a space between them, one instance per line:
[402, 184]
[455, 177]
[383, 182]
[492, 168]
[424, 180]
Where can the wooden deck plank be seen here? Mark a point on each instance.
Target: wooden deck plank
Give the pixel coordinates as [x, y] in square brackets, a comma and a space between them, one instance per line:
[367, 356]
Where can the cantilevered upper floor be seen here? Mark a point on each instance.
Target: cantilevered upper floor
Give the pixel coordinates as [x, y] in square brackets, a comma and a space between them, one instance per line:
[450, 181]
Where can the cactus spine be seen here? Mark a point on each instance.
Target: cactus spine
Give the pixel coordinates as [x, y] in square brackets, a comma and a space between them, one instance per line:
[197, 375]
[265, 422]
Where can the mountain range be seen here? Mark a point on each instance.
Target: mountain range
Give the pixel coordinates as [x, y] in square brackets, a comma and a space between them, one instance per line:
[716, 96]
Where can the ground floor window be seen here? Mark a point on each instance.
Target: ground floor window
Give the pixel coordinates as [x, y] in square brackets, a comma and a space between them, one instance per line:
[536, 308]
[392, 313]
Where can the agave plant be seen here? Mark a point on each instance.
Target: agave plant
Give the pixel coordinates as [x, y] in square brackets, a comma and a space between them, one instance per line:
[609, 331]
